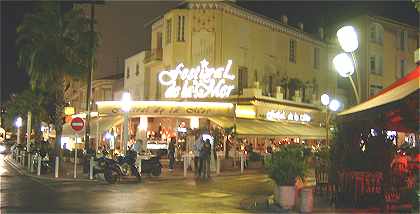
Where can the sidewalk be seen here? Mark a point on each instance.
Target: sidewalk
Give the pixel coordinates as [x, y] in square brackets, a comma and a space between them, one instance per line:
[66, 173]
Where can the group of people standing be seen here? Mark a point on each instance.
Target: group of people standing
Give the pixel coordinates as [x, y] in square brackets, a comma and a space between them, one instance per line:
[202, 155]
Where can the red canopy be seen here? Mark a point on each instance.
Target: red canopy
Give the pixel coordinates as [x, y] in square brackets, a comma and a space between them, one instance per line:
[399, 103]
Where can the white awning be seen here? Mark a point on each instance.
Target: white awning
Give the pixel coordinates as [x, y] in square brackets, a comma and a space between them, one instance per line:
[105, 123]
[249, 127]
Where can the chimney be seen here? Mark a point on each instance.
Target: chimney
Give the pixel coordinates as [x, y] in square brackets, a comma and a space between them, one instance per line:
[300, 25]
[321, 33]
[284, 19]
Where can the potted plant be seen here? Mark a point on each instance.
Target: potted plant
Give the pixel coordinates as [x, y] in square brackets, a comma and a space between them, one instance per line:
[284, 167]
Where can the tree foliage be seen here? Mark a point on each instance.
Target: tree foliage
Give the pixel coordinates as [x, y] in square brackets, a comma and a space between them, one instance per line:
[53, 44]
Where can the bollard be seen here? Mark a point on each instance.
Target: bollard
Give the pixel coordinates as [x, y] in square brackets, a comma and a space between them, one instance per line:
[218, 166]
[32, 165]
[39, 166]
[185, 166]
[57, 161]
[29, 162]
[91, 168]
[75, 164]
[242, 163]
[22, 159]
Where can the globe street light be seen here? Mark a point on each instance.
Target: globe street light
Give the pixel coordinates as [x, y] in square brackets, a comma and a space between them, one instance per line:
[125, 107]
[347, 37]
[345, 63]
[332, 105]
[18, 124]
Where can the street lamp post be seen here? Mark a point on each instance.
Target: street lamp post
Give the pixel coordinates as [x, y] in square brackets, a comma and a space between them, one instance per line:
[125, 106]
[344, 63]
[18, 124]
[330, 105]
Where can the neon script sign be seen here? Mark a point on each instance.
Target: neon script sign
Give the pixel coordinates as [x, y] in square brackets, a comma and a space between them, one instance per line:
[198, 82]
[282, 115]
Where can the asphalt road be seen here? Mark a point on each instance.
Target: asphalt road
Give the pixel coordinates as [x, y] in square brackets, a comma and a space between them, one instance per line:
[221, 194]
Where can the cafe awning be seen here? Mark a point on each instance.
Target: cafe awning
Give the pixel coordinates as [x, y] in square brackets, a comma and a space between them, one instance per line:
[105, 123]
[394, 108]
[250, 127]
[397, 91]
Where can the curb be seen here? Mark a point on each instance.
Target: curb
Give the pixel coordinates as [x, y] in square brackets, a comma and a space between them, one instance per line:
[27, 174]
[21, 171]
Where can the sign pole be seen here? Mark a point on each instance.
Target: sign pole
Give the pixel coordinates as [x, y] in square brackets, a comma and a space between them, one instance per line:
[75, 158]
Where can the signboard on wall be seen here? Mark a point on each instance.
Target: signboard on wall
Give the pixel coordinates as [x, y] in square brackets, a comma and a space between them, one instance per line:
[202, 81]
[168, 108]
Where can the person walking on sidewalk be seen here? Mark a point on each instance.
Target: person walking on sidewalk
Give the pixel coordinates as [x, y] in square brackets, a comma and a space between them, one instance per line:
[171, 154]
[198, 145]
[206, 151]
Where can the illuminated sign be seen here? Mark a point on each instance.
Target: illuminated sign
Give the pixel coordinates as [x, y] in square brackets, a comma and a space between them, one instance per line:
[292, 116]
[198, 82]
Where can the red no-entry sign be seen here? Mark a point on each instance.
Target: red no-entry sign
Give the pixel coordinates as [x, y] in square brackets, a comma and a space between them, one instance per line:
[77, 124]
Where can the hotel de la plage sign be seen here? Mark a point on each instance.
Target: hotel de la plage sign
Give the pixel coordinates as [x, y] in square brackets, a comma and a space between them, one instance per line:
[201, 81]
[274, 115]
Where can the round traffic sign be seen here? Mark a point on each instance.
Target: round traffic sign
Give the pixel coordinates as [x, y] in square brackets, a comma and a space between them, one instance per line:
[77, 124]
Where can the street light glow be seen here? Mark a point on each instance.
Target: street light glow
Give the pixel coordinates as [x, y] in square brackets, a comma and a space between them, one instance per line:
[343, 64]
[334, 105]
[18, 122]
[347, 37]
[126, 102]
[325, 99]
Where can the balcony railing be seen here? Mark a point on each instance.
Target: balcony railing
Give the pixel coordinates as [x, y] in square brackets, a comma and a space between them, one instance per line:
[153, 55]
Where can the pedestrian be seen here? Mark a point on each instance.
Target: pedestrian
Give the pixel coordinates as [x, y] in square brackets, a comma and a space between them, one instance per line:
[206, 151]
[171, 154]
[198, 145]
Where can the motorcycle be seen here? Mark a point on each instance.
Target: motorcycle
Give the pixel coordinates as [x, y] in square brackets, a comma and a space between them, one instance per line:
[123, 166]
[46, 164]
[151, 166]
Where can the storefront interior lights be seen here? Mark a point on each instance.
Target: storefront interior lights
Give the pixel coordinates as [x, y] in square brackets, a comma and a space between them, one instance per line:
[194, 123]
[143, 124]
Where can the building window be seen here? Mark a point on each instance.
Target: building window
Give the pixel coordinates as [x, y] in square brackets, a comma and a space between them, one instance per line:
[376, 64]
[292, 51]
[403, 40]
[137, 69]
[374, 89]
[376, 33]
[181, 28]
[242, 78]
[168, 30]
[159, 40]
[128, 72]
[316, 58]
[402, 68]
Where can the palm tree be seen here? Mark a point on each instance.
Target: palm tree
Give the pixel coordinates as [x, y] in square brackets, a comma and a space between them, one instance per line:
[53, 44]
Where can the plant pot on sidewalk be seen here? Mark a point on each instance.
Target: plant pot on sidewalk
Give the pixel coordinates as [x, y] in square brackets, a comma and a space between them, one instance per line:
[285, 196]
[306, 199]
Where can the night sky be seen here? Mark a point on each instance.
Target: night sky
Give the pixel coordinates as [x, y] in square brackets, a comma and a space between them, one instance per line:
[121, 25]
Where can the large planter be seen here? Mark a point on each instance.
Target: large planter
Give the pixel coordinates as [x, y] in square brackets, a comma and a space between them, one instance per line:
[285, 196]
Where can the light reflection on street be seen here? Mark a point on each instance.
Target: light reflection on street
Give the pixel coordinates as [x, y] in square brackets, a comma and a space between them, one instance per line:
[2, 166]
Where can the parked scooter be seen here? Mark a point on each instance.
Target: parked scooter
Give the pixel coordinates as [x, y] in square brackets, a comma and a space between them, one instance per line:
[46, 164]
[123, 166]
[151, 166]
